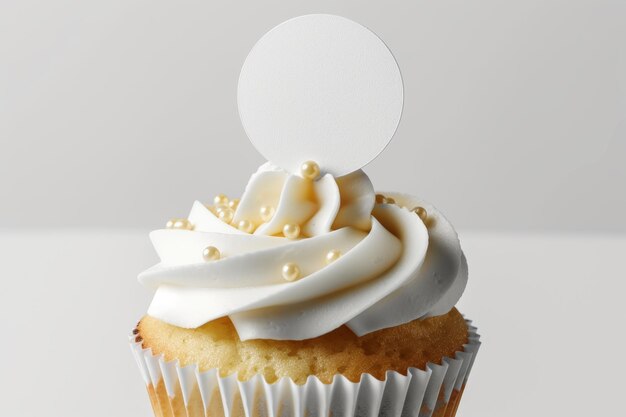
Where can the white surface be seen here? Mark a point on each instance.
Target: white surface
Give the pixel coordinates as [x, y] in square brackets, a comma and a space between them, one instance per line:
[323, 88]
[121, 113]
[555, 302]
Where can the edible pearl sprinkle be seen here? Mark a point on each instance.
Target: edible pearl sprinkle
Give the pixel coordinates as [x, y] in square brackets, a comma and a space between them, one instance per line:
[220, 200]
[266, 212]
[234, 203]
[332, 256]
[211, 253]
[421, 212]
[245, 226]
[226, 215]
[291, 231]
[182, 224]
[291, 271]
[310, 170]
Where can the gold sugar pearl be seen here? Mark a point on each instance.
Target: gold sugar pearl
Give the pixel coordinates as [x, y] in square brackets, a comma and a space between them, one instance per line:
[421, 212]
[245, 226]
[291, 231]
[381, 199]
[310, 170]
[266, 212]
[291, 271]
[233, 204]
[332, 256]
[211, 253]
[181, 224]
[220, 200]
[226, 215]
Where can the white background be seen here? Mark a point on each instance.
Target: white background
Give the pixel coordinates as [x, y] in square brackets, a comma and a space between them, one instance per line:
[121, 113]
[115, 116]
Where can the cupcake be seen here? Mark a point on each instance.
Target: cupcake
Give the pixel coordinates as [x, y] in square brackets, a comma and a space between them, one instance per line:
[310, 294]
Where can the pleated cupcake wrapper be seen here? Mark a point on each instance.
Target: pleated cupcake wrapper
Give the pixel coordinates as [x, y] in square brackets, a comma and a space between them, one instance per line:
[420, 393]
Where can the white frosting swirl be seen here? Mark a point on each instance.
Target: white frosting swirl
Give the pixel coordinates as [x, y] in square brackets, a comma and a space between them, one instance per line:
[393, 269]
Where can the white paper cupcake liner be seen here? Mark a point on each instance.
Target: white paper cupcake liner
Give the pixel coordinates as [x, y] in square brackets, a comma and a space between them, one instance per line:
[185, 391]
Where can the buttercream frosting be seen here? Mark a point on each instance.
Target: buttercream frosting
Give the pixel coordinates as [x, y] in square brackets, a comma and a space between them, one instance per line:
[393, 268]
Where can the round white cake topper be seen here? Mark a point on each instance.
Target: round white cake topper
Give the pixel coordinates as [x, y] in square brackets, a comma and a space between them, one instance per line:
[323, 88]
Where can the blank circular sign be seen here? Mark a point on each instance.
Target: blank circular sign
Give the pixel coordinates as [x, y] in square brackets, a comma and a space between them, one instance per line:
[322, 88]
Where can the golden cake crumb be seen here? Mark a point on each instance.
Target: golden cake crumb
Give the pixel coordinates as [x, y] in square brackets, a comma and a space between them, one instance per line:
[217, 345]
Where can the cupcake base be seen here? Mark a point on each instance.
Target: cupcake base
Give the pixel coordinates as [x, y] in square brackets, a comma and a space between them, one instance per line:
[186, 391]
[165, 406]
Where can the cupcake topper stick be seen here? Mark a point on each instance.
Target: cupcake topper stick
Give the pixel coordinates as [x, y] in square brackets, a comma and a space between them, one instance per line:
[322, 88]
